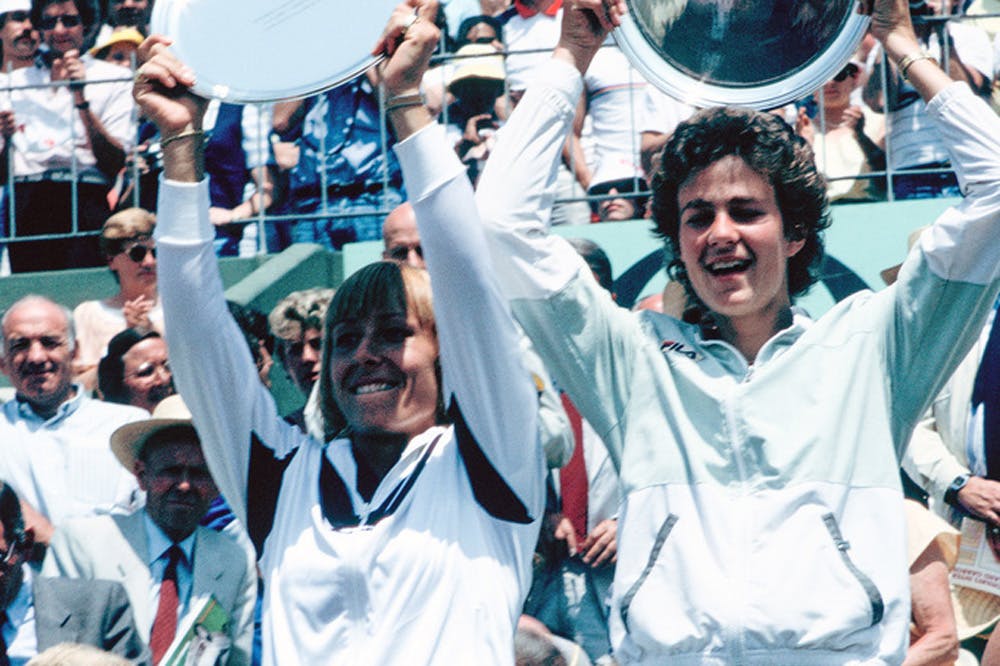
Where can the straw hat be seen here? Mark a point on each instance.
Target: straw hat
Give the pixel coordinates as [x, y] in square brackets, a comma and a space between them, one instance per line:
[477, 61]
[975, 611]
[128, 441]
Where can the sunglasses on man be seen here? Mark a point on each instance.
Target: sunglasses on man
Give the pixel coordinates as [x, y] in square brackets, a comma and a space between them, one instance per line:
[68, 21]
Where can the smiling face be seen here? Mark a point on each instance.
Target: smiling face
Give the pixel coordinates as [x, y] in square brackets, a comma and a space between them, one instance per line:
[58, 34]
[383, 373]
[174, 475]
[732, 240]
[19, 38]
[38, 354]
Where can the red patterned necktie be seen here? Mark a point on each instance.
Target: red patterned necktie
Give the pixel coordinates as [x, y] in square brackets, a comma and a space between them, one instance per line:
[165, 623]
[573, 477]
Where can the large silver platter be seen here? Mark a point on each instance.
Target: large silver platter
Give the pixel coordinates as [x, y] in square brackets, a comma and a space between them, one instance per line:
[756, 53]
[264, 50]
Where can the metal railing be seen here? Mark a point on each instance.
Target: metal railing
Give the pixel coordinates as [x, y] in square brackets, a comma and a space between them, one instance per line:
[263, 218]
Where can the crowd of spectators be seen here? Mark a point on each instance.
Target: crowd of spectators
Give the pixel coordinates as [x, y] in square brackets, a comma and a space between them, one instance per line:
[103, 474]
[321, 170]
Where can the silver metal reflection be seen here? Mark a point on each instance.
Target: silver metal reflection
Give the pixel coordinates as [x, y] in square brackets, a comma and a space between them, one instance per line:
[759, 53]
[266, 50]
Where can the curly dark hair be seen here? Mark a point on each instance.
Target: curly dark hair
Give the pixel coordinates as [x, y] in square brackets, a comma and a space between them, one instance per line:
[770, 147]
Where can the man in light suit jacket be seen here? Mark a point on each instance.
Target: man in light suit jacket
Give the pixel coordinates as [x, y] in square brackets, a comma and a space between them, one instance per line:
[947, 458]
[938, 456]
[38, 613]
[164, 452]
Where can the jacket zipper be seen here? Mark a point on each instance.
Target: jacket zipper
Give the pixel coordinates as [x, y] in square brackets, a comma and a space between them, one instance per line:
[874, 596]
[654, 554]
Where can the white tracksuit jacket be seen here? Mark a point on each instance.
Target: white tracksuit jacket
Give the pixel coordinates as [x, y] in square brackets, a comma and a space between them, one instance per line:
[762, 519]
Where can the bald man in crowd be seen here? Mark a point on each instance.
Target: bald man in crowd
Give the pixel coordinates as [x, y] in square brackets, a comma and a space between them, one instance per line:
[54, 438]
[400, 238]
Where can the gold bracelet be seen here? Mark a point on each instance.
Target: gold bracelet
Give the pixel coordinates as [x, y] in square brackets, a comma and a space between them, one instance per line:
[403, 101]
[907, 62]
[177, 137]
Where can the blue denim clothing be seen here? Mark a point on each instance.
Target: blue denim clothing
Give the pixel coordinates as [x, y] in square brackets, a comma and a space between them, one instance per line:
[367, 211]
[341, 151]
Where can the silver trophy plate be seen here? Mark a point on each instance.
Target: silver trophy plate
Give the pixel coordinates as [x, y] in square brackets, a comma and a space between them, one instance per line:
[756, 53]
[246, 51]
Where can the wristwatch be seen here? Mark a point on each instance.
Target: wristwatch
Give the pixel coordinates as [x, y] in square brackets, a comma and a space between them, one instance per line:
[951, 495]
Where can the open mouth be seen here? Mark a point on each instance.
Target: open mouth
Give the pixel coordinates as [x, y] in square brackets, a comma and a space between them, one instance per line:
[368, 389]
[728, 266]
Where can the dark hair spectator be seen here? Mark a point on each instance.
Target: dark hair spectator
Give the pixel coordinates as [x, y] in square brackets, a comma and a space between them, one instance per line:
[86, 9]
[10, 515]
[253, 325]
[492, 31]
[143, 386]
[596, 258]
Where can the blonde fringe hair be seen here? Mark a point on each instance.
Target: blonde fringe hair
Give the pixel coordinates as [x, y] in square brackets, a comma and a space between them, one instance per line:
[379, 287]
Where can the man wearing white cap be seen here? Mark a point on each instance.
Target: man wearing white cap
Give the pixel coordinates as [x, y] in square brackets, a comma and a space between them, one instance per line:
[18, 37]
[171, 568]
[18, 46]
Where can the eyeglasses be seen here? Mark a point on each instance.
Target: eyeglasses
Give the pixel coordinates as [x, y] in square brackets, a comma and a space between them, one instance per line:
[849, 70]
[137, 253]
[402, 252]
[18, 16]
[68, 21]
[149, 368]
